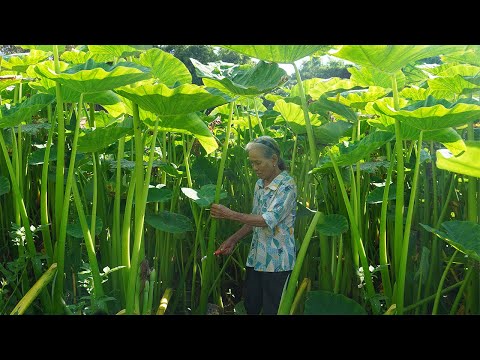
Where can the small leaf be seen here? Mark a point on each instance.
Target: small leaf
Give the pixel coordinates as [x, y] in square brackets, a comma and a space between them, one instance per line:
[75, 229]
[320, 302]
[376, 195]
[205, 196]
[332, 225]
[169, 222]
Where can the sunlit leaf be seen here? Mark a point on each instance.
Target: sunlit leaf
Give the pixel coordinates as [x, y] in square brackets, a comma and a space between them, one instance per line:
[20, 62]
[432, 116]
[165, 67]
[94, 77]
[359, 98]
[448, 136]
[371, 77]
[390, 58]
[169, 222]
[111, 51]
[278, 53]
[241, 80]
[294, 116]
[466, 163]
[163, 101]
[316, 87]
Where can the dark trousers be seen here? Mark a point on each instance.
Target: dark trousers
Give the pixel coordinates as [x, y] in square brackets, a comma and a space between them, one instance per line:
[263, 290]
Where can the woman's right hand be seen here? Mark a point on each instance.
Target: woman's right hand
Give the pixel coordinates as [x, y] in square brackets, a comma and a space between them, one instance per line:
[226, 247]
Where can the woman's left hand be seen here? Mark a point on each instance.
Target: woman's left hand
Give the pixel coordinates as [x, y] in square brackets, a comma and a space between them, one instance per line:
[220, 212]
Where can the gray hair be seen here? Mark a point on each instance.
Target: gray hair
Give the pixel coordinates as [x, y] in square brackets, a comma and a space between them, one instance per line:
[270, 147]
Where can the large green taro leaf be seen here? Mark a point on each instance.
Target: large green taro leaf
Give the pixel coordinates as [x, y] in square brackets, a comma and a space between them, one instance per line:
[332, 132]
[102, 52]
[241, 80]
[371, 77]
[75, 229]
[14, 115]
[455, 80]
[433, 114]
[324, 106]
[356, 151]
[163, 101]
[21, 62]
[294, 116]
[165, 67]
[46, 48]
[358, 99]
[390, 58]
[94, 77]
[205, 196]
[8, 80]
[332, 225]
[467, 163]
[447, 136]
[469, 55]
[278, 53]
[316, 87]
[462, 235]
[100, 138]
[169, 222]
[321, 302]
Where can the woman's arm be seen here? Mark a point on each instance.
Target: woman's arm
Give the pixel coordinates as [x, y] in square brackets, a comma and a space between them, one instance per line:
[222, 212]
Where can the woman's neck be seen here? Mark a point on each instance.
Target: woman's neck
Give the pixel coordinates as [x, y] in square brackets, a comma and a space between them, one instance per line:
[277, 172]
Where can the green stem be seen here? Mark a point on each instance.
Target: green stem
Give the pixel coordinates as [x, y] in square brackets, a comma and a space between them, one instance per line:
[90, 246]
[383, 250]
[406, 240]
[60, 165]
[399, 202]
[442, 280]
[59, 254]
[140, 201]
[207, 274]
[466, 280]
[357, 238]
[311, 138]
[258, 118]
[338, 273]
[287, 299]
[432, 297]
[43, 191]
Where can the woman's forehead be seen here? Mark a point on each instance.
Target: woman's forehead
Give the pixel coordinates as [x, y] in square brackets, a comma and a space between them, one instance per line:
[256, 153]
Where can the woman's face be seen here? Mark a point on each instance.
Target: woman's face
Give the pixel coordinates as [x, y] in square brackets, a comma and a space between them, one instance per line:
[262, 166]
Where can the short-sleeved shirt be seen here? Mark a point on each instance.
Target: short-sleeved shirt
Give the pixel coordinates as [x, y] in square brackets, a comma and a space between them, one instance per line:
[273, 247]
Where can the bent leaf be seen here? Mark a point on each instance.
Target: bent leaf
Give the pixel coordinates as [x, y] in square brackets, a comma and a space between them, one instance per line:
[14, 115]
[93, 77]
[462, 235]
[467, 163]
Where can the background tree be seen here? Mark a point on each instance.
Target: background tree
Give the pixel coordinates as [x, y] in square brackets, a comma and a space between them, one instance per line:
[316, 68]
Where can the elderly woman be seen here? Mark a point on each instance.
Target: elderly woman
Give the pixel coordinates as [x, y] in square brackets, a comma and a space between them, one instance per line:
[272, 251]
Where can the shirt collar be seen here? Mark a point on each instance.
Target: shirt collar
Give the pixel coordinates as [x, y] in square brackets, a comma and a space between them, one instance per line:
[275, 182]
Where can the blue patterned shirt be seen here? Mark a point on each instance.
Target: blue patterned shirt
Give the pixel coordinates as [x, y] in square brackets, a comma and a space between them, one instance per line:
[273, 247]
